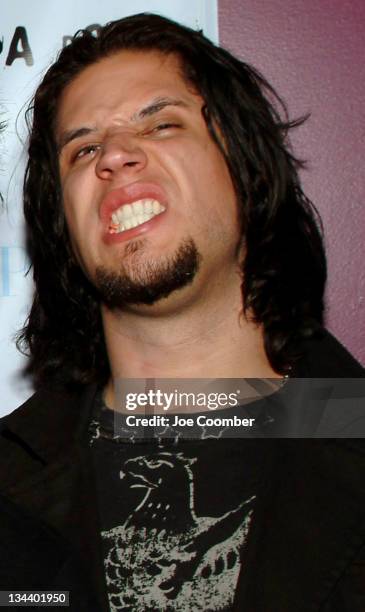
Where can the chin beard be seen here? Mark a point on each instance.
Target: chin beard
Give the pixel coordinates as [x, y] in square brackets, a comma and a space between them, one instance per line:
[148, 282]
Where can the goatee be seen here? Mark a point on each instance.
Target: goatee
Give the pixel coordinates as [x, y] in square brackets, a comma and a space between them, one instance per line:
[148, 281]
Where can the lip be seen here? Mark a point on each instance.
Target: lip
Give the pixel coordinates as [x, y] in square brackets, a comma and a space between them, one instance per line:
[128, 194]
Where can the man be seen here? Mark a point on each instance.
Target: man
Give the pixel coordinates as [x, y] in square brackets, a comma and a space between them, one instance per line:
[170, 239]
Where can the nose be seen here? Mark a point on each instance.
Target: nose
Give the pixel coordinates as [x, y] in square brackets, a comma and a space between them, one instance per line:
[120, 155]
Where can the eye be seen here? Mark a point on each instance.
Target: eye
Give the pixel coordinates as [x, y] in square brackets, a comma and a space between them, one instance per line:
[165, 126]
[154, 463]
[161, 128]
[85, 151]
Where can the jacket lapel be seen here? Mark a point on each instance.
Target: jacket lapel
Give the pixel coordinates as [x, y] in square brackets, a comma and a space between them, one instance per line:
[50, 432]
[308, 529]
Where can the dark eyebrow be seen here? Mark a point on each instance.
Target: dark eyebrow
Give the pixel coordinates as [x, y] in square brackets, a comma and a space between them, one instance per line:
[156, 106]
[70, 135]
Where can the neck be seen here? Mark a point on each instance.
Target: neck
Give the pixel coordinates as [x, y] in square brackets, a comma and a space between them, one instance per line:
[208, 339]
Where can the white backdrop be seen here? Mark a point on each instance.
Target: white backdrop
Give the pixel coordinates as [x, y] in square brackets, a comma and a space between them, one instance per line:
[31, 34]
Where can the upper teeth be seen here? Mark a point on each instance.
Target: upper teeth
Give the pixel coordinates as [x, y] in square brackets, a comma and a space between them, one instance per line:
[131, 215]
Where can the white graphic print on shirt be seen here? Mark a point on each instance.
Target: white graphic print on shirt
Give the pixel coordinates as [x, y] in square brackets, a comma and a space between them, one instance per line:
[167, 558]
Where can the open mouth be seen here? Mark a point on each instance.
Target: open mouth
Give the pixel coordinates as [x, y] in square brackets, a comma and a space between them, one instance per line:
[134, 214]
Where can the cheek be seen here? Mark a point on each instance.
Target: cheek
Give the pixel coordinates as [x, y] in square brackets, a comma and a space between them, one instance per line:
[73, 221]
[226, 195]
[75, 199]
[78, 234]
[219, 191]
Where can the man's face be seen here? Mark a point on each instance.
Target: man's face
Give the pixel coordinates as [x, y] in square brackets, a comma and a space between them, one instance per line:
[148, 198]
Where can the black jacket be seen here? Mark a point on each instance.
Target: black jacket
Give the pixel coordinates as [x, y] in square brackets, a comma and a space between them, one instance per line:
[306, 548]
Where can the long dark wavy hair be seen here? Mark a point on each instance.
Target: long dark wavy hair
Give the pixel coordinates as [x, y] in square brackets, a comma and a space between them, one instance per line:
[284, 270]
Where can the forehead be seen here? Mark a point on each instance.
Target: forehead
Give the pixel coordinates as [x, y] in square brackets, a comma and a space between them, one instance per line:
[119, 84]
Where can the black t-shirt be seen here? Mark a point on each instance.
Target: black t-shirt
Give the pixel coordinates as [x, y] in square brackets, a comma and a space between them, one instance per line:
[175, 516]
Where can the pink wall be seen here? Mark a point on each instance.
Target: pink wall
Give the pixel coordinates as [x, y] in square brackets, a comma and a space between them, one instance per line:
[313, 54]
